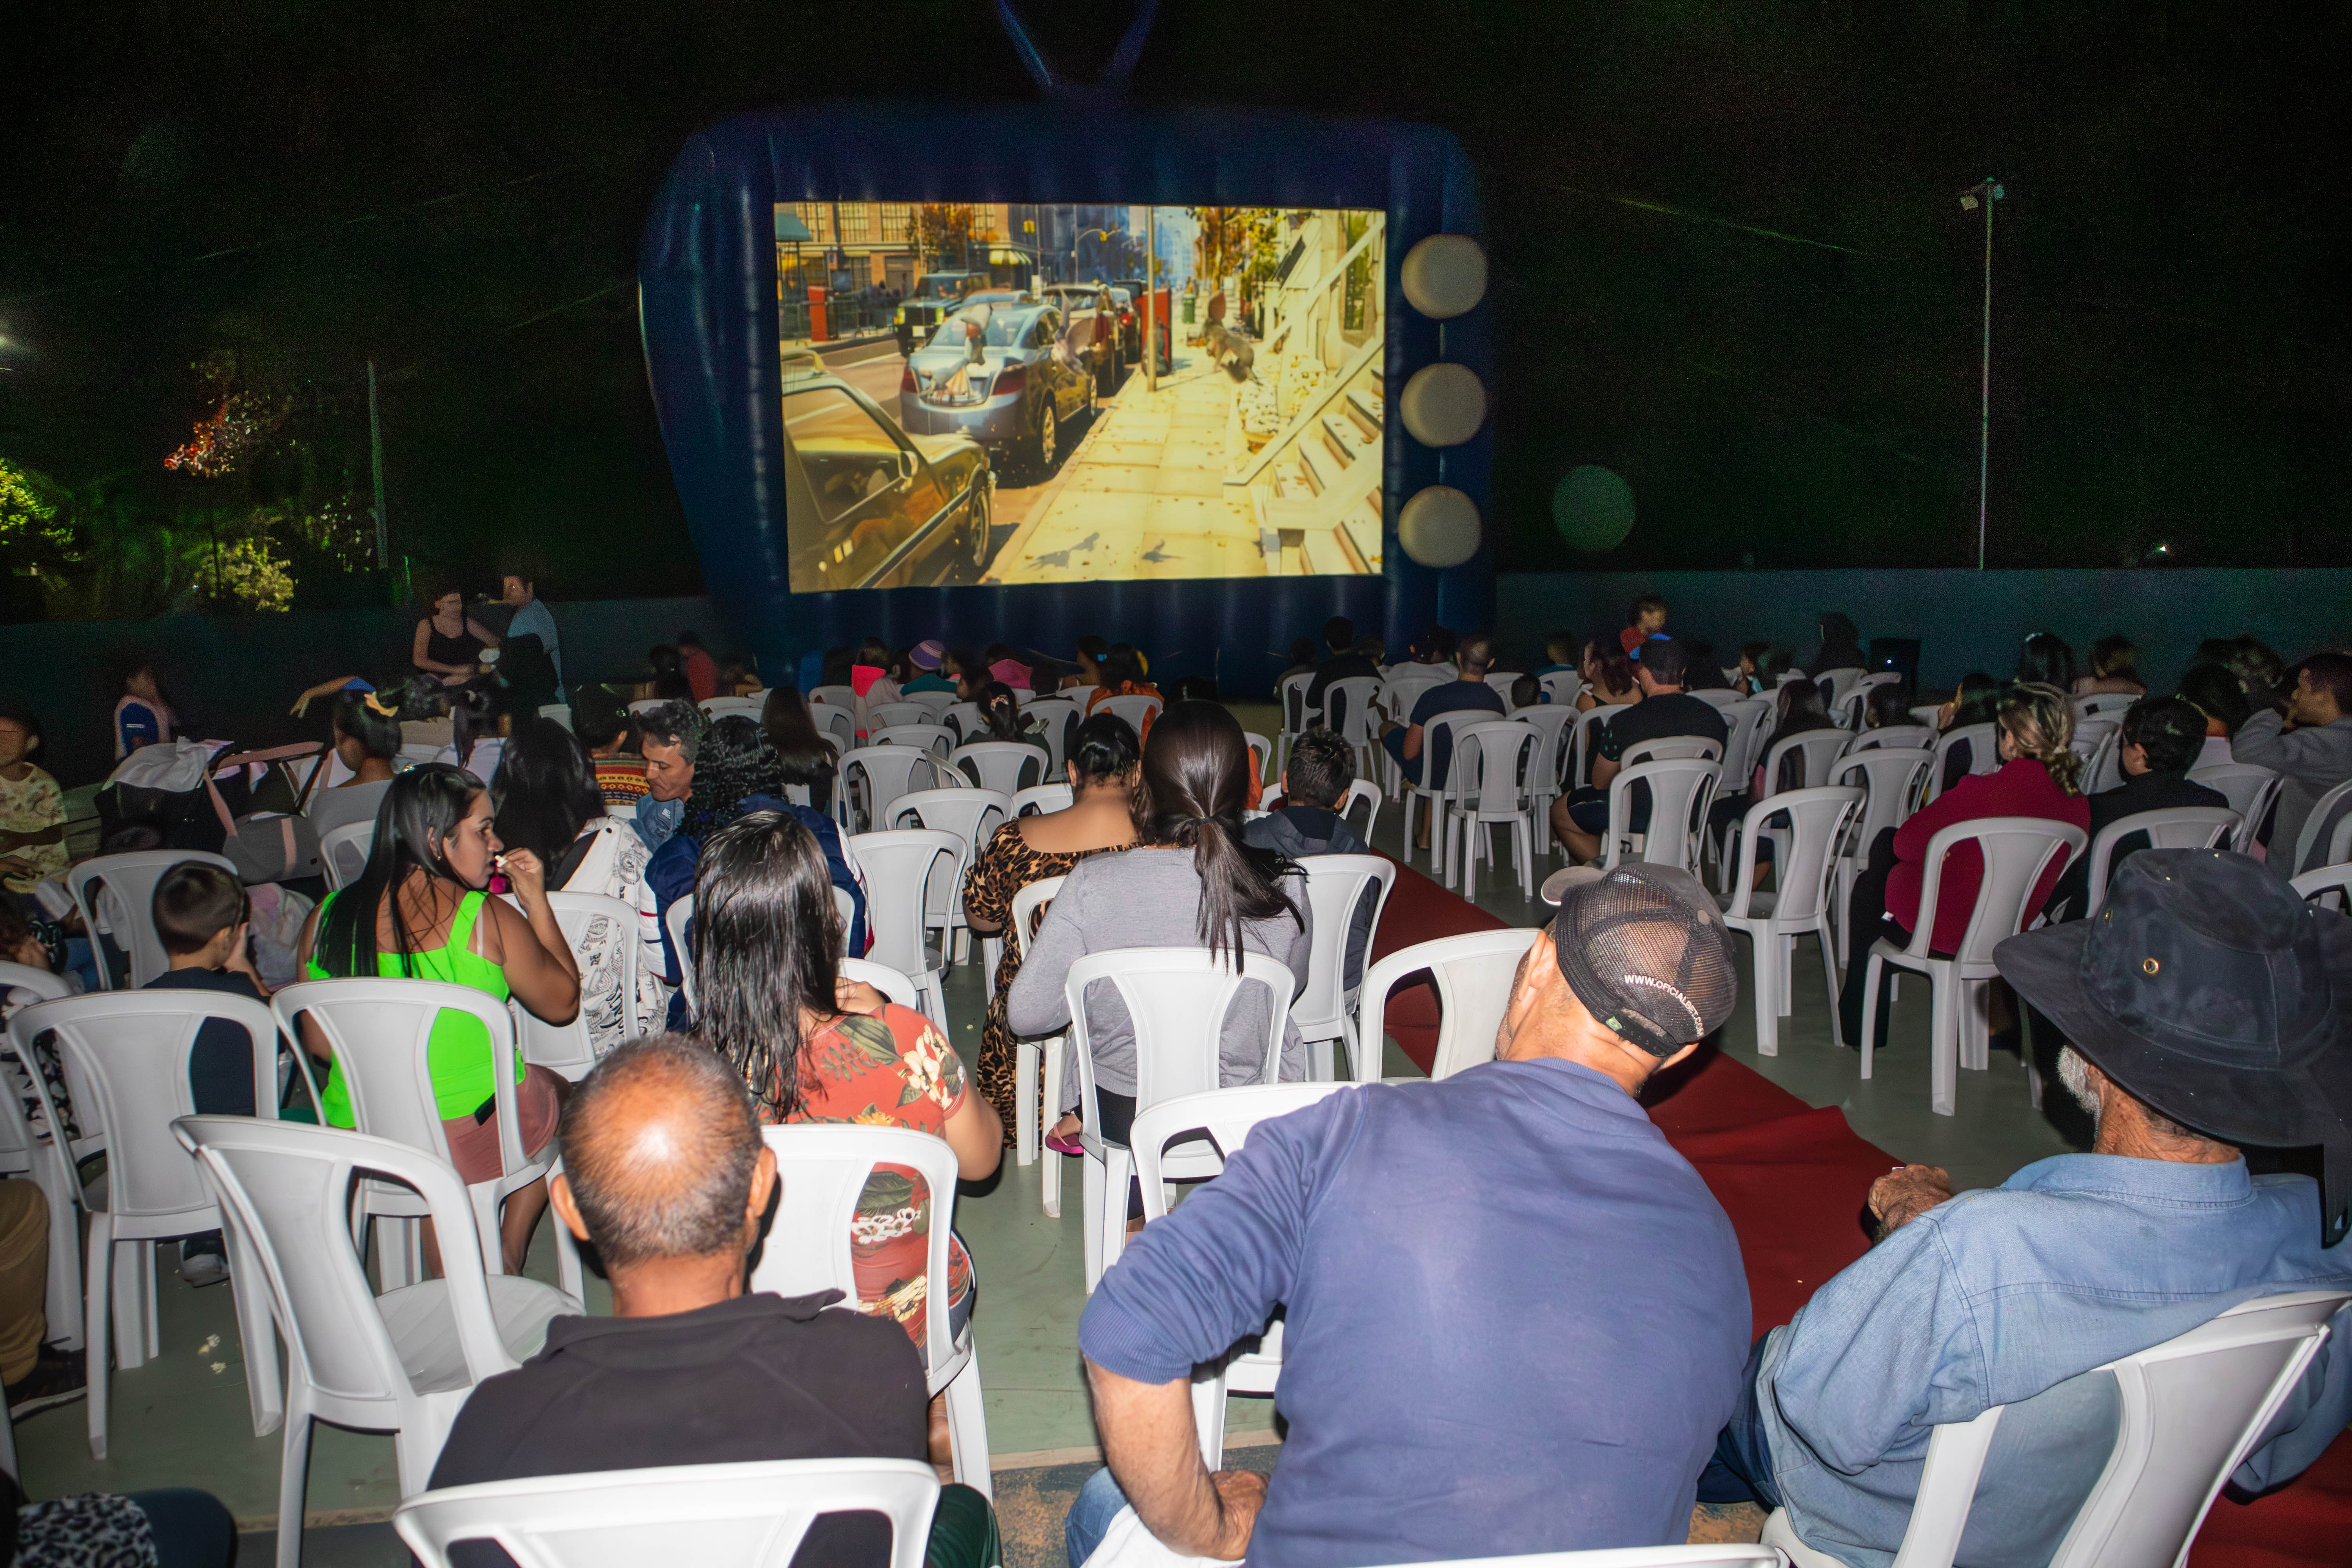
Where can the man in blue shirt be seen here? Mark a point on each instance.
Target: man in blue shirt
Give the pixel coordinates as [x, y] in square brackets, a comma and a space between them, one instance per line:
[532, 617]
[1514, 1314]
[2205, 1008]
[1473, 656]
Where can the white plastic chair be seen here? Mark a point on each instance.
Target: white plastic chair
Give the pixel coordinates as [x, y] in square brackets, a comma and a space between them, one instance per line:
[973, 815]
[1581, 744]
[1745, 724]
[1816, 751]
[890, 715]
[1893, 777]
[1547, 766]
[2016, 850]
[1983, 741]
[901, 865]
[127, 1054]
[823, 1169]
[2250, 788]
[31, 1154]
[1134, 709]
[1060, 717]
[717, 708]
[568, 1048]
[1347, 711]
[748, 1515]
[405, 1361]
[1802, 857]
[2329, 886]
[343, 852]
[1218, 1122]
[2326, 838]
[1261, 751]
[842, 697]
[1473, 975]
[1837, 685]
[1359, 792]
[127, 905]
[964, 719]
[894, 987]
[1323, 1010]
[1000, 765]
[1716, 698]
[1490, 768]
[2191, 1409]
[1437, 783]
[1681, 791]
[1290, 698]
[1036, 1114]
[887, 773]
[380, 1031]
[936, 738]
[676, 920]
[2113, 702]
[1908, 736]
[1562, 686]
[1043, 797]
[2175, 827]
[38, 986]
[839, 722]
[1176, 999]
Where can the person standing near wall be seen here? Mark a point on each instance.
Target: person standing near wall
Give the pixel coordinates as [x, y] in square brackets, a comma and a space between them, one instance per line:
[519, 589]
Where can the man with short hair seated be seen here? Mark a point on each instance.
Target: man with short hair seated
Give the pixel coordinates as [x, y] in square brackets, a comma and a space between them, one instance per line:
[1307, 822]
[2311, 744]
[667, 1175]
[2199, 1004]
[1580, 818]
[1514, 1315]
[2161, 740]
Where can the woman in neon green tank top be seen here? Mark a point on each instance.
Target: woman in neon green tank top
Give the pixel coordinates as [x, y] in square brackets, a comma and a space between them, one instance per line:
[419, 912]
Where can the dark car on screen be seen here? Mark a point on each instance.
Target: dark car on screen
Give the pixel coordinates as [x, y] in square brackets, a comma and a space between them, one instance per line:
[867, 505]
[1007, 376]
[936, 298]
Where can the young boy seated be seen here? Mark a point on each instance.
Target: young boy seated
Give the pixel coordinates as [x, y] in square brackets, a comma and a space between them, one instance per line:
[201, 913]
[1307, 822]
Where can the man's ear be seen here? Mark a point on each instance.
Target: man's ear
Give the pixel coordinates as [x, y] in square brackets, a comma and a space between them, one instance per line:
[558, 1195]
[763, 1186]
[1666, 1062]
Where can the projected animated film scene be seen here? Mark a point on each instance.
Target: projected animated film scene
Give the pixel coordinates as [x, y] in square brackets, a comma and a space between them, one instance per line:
[992, 392]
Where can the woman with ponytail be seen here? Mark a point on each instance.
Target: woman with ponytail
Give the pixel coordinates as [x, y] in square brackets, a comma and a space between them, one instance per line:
[419, 912]
[2040, 775]
[1192, 882]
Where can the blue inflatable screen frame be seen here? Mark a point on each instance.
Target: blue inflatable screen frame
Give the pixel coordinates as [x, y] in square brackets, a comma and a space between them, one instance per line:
[708, 299]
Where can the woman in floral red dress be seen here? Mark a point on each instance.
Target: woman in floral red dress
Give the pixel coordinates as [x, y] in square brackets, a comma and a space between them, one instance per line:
[813, 1047]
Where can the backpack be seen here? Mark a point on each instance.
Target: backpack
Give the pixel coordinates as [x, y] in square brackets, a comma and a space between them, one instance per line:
[158, 798]
[269, 846]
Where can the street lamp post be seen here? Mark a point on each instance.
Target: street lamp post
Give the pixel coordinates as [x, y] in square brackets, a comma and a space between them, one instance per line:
[1984, 194]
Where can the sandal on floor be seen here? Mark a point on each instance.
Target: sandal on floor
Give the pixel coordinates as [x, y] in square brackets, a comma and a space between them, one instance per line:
[1061, 1145]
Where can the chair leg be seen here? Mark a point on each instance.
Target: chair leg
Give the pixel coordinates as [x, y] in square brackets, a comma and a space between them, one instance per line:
[1209, 1417]
[294, 1472]
[257, 1334]
[1976, 1024]
[63, 1301]
[968, 1427]
[1944, 1055]
[1048, 1114]
[1874, 968]
[1090, 1216]
[1024, 1101]
[1787, 973]
[132, 1281]
[98, 1277]
[934, 998]
[1117, 1170]
[1523, 847]
[1320, 1067]
[2025, 1056]
[1767, 948]
[1830, 978]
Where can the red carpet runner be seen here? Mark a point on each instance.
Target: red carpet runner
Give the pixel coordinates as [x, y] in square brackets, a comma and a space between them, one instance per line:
[1793, 1181]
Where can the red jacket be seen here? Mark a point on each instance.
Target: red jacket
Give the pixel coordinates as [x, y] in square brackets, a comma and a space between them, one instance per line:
[2019, 788]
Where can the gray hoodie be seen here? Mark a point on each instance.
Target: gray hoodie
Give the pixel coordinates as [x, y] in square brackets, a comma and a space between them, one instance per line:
[1298, 831]
[2314, 760]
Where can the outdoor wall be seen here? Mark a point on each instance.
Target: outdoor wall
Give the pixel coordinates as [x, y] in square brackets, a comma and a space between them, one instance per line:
[235, 678]
[1964, 620]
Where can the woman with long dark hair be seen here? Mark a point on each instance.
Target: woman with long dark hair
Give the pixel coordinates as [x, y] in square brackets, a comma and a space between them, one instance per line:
[1608, 677]
[804, 757]
[2046, 660]
[419, 912]
[1002, 719]
[1104, 767]
[544, 793]
[1193, 882]
[366, 730]
[769, 999]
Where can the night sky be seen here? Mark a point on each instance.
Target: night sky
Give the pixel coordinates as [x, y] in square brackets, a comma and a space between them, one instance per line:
[2170, 302]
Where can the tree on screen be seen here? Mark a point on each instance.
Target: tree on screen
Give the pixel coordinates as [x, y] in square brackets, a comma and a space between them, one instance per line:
[943, 231]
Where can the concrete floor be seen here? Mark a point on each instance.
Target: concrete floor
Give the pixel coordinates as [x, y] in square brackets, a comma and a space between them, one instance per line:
[182, 1420]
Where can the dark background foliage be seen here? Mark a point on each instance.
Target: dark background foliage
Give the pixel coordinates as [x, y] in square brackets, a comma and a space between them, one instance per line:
[2170, 309]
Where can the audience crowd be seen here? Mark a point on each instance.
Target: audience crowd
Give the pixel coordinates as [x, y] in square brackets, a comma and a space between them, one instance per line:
[1515, 1317]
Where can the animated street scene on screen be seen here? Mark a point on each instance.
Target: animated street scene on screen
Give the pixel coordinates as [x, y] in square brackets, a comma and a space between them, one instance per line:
[999, 392]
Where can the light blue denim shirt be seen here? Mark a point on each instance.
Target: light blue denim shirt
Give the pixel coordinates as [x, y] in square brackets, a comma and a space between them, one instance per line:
[2004, 1293]
[657, 819]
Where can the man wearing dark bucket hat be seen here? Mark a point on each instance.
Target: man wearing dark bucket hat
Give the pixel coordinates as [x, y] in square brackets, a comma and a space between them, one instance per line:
[1514, 1315]
[2208, 1007]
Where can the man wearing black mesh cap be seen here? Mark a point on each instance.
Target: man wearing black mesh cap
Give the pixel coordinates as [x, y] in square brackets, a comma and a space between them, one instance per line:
[1515, 1315]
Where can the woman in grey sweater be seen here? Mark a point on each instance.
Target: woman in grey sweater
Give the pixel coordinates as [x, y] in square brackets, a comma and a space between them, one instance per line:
[1192, 882]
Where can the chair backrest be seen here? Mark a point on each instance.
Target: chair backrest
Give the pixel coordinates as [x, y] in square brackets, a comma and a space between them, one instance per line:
[1817, 752]
[890, 772]
[1492, 763]
[2250, 789]
[1043, 797]
[1359, 792]
[917, 737]
[285, 1187]
[1549, 764]
[842, 697]
[2329, 886]
[717, 708]
[1892, 775]
[1921, 737]
[129, 898]
[964, 719]
[38, 986]
[1134, 709]
[1679, 747]
[2317, 844]
[2015, 850]
[1745, 724]
[750, 1515]
[1580, 743]
[1176, 999]
[677, 920]
[1290, 694]
[1225, 1115]
[934, 703]
[343, 852]
[2089, 732]
[1718, 697]
[1261, 751]
[899, 864]
[839, 722]
[1681, 791]
[1473, 975]
[1562, 686]
[1403, 686]
[380, 1031]
[1449, 724]
[2113, 702]
[591, 924]
[1335, 884]
[894, 987]
[1005, 767]
[889, 715]
[1347, 708]
[1801, 866]
[1984, 751]
[126, 1055]
[2188, 1410]
[976, 813]
[1027, 902]
[2175, 827]
[824, 1167]
[1837, 683]
[1501, 682]
[1060, 717]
